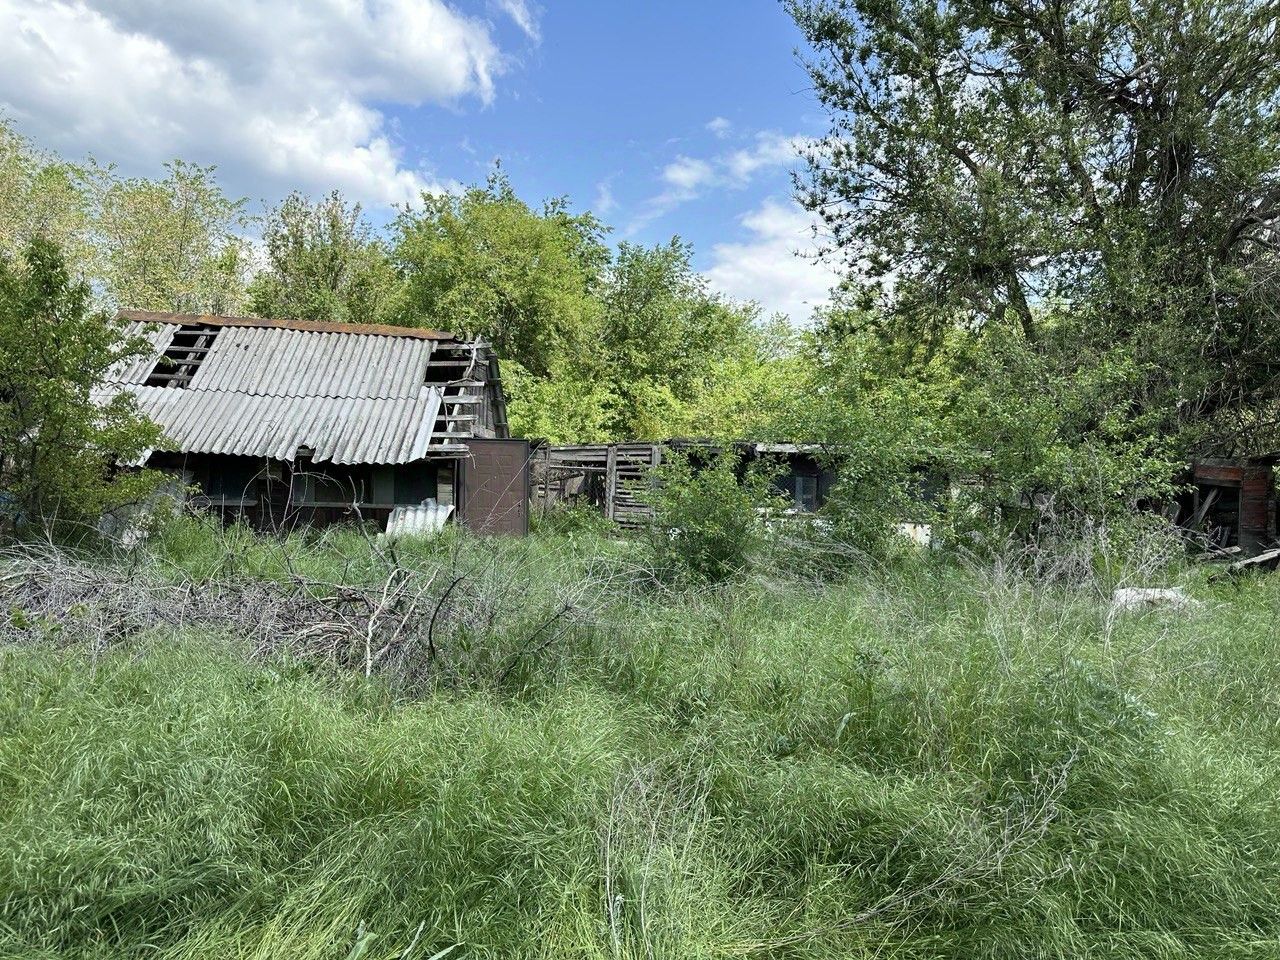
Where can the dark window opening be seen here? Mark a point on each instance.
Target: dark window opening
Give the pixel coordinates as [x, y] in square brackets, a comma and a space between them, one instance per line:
[415, 483]
[182, 358]
[233, 481]
[807, 492]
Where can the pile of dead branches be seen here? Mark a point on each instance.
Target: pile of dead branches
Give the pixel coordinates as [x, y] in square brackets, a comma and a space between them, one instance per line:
[453, 622]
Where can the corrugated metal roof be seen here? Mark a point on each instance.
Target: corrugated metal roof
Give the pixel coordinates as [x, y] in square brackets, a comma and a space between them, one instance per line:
[350, 397]
[290, 363]
[137, 369]
[337, 429]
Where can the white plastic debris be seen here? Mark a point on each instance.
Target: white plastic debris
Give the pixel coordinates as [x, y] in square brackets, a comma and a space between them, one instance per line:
[1140, 599]
[921, 534]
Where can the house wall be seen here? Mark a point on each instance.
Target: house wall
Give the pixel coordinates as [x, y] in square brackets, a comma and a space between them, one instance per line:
[610, 477]
[273, 494]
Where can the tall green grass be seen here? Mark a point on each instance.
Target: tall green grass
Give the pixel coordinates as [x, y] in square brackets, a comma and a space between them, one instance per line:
[925, 761]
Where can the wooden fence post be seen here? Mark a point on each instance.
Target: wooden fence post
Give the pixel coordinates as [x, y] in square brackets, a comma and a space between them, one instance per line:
[610, 481]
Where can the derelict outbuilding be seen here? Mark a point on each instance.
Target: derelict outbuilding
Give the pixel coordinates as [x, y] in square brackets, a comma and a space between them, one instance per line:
[282, 423]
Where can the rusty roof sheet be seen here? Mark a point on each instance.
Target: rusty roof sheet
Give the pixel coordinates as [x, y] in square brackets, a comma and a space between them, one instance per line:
[313, 326]
[351, 396]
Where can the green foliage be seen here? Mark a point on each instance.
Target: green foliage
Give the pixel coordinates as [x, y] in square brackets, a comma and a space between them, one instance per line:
[927, 762]
[572, 520]
[746, 382]
[595, 346]
[564, 407]
[668, 342]
[40, 196]
[1103, 171]
[496, 268]
[323, 263]
[177, 243]
[58, 444]
[879, 425]
[709, 518]
[1045, 431]
[171, 244]
[984, 435]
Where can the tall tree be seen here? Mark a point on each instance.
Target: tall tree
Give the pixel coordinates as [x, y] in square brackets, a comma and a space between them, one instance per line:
[665, 338]
[58, 444]
[1103, 175]
[483, 263]
[172, 244]
[41, 195]
[323, 263]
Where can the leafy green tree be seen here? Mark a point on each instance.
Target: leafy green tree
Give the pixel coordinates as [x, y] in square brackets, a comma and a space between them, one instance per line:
[323, 263]
[1051, 433]
[1106, 172]
[566, 406]
[663, 335]
[41, 195]
[173, 244]
[59, 444]
[176, 243]
[483, 263]
[748, 381]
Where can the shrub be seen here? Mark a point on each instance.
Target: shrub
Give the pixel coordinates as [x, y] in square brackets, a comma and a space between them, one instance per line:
[571, 519]
[708, 524]
[59, 446]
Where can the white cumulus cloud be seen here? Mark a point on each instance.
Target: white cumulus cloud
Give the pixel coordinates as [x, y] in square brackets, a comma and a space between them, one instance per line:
[769, 150]
[605, 201]
[278, 94]
[687, 174]
[774, 266]
[686, 178]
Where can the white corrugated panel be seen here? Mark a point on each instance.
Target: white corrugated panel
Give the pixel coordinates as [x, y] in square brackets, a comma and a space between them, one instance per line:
[338, 429]
[159, 335]
[298, 363]
[428, 517]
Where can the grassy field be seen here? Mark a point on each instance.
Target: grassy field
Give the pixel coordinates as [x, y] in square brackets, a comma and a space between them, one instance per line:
[928, 759]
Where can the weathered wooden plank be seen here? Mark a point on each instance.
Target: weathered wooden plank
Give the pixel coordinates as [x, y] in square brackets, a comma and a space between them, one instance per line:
[611, 482]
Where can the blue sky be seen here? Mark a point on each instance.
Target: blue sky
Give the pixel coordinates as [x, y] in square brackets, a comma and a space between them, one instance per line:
[663, 117]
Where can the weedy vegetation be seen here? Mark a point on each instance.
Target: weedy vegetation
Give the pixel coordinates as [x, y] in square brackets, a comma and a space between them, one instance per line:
[223, 744]
[741, 734]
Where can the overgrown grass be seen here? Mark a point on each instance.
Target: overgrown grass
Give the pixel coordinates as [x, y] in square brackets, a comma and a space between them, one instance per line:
[925, 761]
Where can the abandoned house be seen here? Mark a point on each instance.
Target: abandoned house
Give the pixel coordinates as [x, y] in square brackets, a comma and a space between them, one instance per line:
[612, 477]
[1233, 502]
[281, 423]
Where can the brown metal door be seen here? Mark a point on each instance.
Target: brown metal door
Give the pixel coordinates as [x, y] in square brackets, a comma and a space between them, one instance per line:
[495, 487]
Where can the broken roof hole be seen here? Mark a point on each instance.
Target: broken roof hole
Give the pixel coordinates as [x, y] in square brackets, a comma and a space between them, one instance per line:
[448, 365]
[182, 358]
